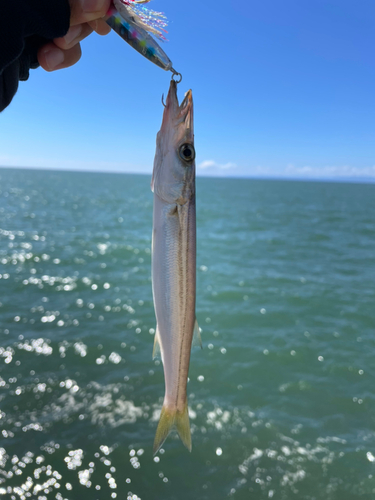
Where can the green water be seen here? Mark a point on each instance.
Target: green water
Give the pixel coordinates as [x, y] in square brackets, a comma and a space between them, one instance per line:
[282, 395]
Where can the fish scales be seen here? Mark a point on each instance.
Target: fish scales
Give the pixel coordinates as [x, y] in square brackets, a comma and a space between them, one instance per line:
[174, 259]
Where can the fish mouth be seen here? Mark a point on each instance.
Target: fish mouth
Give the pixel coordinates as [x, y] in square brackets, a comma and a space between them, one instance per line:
[188, 100]
[175, 112]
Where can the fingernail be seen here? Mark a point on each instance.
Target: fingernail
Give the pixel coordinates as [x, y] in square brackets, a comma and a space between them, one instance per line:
[54, 57]
[92, 5]
[73, 33]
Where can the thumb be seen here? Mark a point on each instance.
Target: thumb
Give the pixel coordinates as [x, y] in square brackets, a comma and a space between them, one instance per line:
[83, 11]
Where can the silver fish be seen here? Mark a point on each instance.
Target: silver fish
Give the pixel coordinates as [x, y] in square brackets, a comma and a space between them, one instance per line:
[174, 260]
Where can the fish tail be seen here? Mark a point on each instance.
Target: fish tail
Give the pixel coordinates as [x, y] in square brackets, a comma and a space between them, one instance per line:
[169, 419]
[183, 426]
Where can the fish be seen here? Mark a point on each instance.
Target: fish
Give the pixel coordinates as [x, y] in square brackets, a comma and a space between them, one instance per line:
[174, 260]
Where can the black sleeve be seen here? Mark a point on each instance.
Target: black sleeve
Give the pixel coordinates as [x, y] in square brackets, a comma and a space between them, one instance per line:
[26, 25]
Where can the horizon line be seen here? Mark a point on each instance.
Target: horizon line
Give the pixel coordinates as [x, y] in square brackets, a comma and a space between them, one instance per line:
[339, 179]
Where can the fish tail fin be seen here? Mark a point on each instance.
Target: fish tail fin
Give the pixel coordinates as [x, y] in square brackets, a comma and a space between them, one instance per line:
[169, 419]
[183, 426]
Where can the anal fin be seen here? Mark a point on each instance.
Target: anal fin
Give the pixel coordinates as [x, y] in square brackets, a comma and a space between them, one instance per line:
[156, 352]
[197, 335]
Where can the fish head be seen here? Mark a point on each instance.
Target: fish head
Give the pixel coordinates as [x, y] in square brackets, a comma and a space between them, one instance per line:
[173, 178]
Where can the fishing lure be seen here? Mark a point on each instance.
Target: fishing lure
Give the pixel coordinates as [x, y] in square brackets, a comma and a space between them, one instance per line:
[135, 24]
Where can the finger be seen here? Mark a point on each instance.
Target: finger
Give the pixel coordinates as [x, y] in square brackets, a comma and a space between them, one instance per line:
[74, 35]
[51, 57]
[100, 26]
[83, 11]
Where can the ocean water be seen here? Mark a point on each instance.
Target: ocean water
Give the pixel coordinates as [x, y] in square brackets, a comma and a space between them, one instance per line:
[282, 401]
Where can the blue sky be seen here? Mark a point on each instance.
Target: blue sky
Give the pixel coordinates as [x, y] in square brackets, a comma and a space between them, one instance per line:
[281, 89]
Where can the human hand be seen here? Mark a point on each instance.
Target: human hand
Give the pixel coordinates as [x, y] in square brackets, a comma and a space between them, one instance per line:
[86, 16]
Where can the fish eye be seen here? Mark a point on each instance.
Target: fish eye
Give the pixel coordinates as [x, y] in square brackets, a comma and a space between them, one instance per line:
[187, 152]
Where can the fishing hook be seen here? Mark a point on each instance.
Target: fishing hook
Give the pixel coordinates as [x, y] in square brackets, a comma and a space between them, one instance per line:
[174, 74]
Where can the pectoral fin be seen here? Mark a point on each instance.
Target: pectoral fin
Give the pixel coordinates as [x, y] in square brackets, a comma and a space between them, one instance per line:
[197, 335]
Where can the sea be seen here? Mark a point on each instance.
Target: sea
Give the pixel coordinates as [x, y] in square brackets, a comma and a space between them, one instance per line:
[282, 395]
